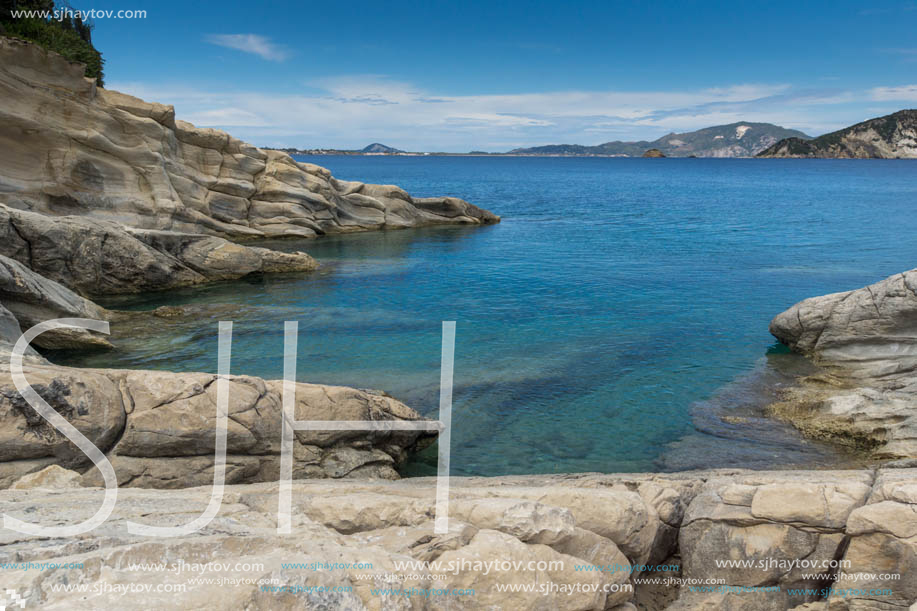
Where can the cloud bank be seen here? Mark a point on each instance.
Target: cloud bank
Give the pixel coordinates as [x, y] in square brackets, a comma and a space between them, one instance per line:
[351, 111]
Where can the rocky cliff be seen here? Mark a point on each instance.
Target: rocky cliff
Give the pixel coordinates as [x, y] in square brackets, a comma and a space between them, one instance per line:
[69, 148]
[890, 137]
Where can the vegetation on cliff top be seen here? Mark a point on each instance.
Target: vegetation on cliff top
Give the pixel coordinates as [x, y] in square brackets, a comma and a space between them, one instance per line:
[63, 32]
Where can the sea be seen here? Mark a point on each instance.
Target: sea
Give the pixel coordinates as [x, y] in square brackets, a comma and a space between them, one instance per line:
[615, 320]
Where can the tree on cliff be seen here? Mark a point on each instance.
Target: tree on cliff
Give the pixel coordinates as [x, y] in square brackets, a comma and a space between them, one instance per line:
[56, 27]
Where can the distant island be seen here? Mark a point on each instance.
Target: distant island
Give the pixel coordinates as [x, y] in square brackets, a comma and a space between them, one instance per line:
[890, 137]
[742, 139]
[380, 149]
[893, 136]
[376, 148]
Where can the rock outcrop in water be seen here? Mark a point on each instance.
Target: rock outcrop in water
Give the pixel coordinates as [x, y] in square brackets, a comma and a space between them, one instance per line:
[158, 428]
[97, 257]
[893, 136]
[754, 541]
[105, 193]
[866, 342]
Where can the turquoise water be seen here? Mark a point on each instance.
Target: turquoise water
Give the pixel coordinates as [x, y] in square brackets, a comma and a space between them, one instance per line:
[609, 323]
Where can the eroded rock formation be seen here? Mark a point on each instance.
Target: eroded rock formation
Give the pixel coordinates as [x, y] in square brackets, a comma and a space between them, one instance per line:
[30, 298]
[866, 343]
[158, 428]
[70, 148]
[95, 257]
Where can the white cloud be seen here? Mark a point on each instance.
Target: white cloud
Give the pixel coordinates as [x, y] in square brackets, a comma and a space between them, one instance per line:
[903, 93]
[249, 43]
[496, 120]
[351, 111]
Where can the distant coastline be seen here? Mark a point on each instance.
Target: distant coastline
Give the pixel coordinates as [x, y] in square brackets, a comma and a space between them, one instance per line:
[356, 153]
[890, 137]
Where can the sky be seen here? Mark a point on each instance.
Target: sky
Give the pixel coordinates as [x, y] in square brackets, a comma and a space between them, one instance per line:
[468, 75]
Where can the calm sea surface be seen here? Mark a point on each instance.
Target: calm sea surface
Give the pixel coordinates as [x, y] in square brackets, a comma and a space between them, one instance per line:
[616, 320]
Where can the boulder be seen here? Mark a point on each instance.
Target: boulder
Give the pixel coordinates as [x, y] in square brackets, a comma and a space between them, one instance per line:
[871, 331]
[32, 299]
[91, 401]
[882, 553]
[52, 477]
[753, 531]
[159, 428]
[865, 342]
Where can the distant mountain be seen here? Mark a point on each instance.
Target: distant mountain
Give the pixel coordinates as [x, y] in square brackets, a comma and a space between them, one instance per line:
[743, 139]
[376, 147]
[890, 137]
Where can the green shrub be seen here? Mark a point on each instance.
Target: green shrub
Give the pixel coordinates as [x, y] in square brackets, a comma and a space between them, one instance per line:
[70, 37]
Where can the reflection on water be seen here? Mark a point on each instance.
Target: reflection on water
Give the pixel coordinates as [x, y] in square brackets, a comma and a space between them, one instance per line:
[615, 321]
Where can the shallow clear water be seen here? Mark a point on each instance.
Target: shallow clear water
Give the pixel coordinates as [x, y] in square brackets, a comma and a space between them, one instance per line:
[612, 319]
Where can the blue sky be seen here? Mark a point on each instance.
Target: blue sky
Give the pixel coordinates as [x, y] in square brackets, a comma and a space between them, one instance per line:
[456, 76]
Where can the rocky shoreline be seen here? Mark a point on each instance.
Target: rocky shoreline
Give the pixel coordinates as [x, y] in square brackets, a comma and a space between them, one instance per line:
[102, 193]
[659, 539]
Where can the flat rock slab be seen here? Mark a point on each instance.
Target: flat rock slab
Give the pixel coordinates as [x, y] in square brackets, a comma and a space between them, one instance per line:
[351, 539]
[159, 428]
